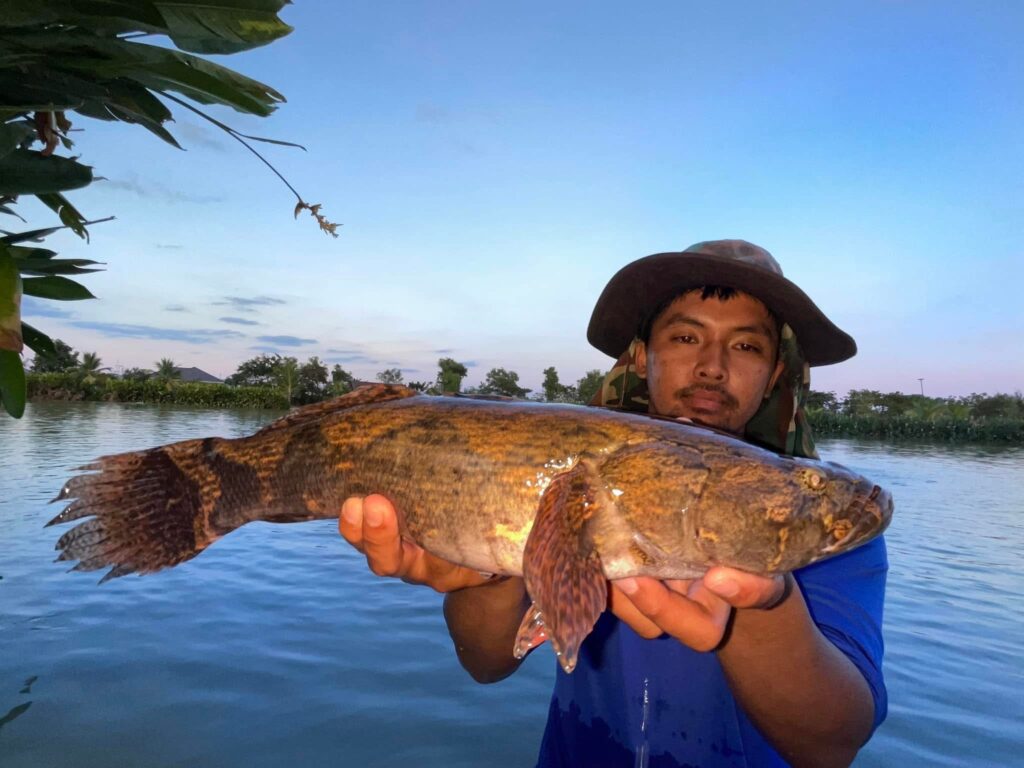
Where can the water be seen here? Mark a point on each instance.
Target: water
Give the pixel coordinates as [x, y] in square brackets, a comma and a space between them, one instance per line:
[278, 647]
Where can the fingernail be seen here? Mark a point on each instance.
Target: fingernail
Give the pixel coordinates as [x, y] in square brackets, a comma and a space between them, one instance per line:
[351, 515]
[726, 588]
[373, 516]
[629, 586]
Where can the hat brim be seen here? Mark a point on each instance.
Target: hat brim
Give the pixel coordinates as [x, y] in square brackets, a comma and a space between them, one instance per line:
[638, 288]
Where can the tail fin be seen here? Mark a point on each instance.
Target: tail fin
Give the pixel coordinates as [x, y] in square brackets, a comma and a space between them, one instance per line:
[149, 509]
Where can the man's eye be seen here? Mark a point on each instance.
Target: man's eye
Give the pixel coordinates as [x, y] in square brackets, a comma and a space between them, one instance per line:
[684, 339]
[744, 347]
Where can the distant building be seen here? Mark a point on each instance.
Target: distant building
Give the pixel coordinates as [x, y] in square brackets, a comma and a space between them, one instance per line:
[197, 375]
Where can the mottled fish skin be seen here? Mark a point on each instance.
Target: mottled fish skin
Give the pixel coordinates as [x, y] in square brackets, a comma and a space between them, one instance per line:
[667, 499]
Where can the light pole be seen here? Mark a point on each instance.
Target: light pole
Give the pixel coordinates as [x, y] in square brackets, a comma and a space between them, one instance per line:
[922, 386]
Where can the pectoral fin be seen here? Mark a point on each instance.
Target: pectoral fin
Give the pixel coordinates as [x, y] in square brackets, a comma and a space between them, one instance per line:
[563, 569]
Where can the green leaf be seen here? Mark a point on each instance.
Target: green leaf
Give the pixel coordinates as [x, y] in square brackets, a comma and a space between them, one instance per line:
[68, 214]
[37, 341]
[23, 253]
[10, 302]
[34, 234]
[202, 81]
[107, 17]
[53, 287]
[13, 391]
[223, 26]
[24, 172]
[23, 95]
[55, 266]
[13, 134]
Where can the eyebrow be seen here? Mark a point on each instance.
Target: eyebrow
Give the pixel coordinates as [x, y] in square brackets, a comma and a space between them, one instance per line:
[678, 318]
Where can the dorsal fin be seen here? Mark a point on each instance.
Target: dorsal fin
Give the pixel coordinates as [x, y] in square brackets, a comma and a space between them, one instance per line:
[364, 395]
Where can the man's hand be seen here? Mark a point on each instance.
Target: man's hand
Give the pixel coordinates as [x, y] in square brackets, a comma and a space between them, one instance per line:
[694, 611]
[371, 526]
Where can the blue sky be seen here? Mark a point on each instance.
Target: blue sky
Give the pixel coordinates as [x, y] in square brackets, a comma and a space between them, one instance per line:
[493, 165]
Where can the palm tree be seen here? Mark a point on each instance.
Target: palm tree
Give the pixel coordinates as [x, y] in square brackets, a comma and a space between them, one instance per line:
[166, 370]
[91, 364]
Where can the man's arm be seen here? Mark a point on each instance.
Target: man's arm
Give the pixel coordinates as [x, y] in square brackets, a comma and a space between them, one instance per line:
[805, 696]
[483, 615]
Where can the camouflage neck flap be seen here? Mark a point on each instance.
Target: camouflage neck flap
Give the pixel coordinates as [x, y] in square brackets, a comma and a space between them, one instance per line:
[780, 423]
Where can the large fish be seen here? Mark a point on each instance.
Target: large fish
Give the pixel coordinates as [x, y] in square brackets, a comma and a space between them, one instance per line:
[565, 496]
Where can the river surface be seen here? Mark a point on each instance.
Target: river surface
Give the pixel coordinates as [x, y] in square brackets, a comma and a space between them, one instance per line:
[276, 647]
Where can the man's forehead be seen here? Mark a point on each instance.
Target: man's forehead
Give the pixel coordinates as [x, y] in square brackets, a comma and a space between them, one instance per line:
[740, 304]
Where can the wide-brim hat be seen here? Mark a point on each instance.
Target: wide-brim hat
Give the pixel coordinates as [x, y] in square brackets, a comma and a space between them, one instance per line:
[639, 288]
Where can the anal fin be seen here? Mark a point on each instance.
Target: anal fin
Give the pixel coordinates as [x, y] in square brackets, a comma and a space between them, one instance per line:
[562, 568]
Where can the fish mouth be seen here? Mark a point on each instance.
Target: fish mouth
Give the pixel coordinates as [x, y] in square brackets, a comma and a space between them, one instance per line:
[867, 515]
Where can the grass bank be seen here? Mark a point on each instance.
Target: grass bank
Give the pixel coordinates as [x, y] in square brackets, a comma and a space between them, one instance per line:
[944, 428]
[73, 386]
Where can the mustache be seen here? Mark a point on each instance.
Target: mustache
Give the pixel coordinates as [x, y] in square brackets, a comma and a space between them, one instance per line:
[727, 398]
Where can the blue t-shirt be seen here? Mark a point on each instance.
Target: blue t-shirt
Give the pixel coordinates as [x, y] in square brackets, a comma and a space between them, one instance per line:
[628, 693]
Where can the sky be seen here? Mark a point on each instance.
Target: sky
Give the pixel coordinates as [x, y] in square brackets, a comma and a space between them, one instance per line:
[493, 165]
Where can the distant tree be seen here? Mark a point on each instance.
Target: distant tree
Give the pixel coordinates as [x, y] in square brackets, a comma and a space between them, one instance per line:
[91, 364]
[998, 407]
[390, 376]
[862, 402]
[286, 376]
[166, 370]
[896, 403]
[823, 401]
[422, 386]
[341, 380]
[63, 359]
[502, 382]
[551, 386]
[588, 386]
[256, 372]
[136, 374]
[312, 381]
[450, 375]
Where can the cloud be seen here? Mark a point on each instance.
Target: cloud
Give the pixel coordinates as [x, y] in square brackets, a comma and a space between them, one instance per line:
[442, 351]
[242, 304]
[169, 246]
[285, 341]
[154, 190]
[355, 357]
[199, 135]
[237, 320]
[36, 308]
[121, 330]
[175, 308]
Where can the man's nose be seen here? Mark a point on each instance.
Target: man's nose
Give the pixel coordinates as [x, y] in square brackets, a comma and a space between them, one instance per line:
[711, 363]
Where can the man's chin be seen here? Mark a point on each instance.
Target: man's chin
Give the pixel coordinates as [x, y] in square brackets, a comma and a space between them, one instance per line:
[715, 420]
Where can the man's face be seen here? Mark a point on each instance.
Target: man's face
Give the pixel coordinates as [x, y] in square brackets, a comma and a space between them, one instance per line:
[711, 360]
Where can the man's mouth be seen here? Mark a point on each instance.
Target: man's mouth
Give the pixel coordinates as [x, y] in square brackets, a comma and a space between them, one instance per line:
[706, 400]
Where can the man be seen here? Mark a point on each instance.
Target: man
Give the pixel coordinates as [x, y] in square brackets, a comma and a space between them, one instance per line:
[733, 668]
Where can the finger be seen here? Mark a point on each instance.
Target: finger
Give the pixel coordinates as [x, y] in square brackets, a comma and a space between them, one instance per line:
[421, 567]
[697, 620]
[381, 540]
[350, 521]
[624, 609]
[745, 590]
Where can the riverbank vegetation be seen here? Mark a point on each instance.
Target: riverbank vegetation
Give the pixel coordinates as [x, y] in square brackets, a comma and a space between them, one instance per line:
[277, 382]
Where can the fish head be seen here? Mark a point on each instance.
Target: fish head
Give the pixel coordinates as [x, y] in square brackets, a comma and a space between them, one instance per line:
[771, 514]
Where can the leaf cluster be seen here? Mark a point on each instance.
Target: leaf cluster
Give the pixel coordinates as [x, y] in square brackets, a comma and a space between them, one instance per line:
[62, 60]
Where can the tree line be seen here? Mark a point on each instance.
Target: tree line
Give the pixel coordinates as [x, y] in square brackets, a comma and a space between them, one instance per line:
[277, 381]
[309, 382]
